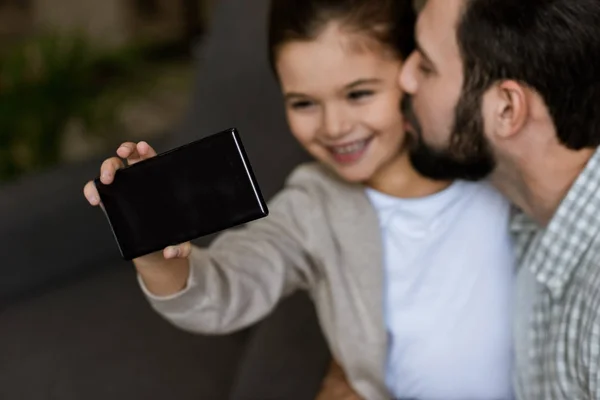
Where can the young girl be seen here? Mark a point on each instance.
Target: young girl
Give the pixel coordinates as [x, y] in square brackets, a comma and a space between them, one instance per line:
[411, 278]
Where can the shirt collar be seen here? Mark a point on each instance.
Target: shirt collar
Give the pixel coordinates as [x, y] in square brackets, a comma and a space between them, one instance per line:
[521, 222]
[570, 232]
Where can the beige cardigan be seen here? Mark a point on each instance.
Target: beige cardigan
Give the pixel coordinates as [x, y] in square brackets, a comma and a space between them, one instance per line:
[322, 235]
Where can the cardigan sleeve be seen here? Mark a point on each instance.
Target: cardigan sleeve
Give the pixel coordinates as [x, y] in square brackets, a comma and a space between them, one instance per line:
[240, 278]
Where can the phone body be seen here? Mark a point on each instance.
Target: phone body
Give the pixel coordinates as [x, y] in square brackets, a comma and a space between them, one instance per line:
[194, 190]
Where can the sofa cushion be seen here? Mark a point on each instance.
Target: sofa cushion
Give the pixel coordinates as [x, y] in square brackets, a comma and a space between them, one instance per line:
[99, 339]
[49, 231]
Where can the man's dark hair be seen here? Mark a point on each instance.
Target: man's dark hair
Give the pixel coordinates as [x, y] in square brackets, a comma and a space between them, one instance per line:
[551, 46]
[390, 22]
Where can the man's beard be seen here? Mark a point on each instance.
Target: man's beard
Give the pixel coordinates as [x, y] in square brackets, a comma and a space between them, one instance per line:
[468, 155]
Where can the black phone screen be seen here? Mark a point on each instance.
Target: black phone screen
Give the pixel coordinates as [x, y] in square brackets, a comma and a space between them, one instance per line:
[194, 190]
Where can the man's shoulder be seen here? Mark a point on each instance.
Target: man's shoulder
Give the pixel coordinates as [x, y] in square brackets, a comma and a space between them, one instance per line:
[591, 266]
[588, 282]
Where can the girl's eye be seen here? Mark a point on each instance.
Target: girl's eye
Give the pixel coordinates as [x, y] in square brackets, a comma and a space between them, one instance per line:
[359, 94]
[301, 104]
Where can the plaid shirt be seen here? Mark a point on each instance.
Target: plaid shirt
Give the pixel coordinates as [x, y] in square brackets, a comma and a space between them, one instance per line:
[558, 345]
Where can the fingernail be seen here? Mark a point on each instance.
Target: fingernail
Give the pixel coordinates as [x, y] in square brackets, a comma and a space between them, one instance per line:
[172, 252]
[95, 200]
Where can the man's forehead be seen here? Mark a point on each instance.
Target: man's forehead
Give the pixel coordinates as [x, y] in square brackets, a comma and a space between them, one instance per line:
[436, 26]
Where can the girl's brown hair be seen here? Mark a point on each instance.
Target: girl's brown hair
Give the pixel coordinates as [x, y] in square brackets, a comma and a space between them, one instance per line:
[390, 22]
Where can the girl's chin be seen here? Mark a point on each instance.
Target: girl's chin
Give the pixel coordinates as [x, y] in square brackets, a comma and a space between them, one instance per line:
[355, 173]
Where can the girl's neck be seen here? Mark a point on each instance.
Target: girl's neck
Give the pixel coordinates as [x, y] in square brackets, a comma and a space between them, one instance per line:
[398, 178]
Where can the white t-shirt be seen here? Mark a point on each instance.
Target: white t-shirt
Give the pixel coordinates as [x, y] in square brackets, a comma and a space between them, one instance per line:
[449, 272]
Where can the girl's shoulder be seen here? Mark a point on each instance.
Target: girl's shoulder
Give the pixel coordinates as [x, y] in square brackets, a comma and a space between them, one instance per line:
[316, 186]
[315, 175]
[486, 191]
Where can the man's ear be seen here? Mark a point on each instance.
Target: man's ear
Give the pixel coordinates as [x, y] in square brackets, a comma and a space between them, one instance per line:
[510, 109]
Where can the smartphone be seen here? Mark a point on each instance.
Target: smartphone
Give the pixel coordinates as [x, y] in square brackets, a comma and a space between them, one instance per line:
[194, 190]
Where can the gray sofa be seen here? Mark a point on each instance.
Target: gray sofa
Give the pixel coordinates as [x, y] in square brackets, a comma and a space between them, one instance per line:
[73, 323]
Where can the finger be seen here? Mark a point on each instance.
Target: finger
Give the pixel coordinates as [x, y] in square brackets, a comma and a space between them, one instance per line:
[186, 250]
[179, 251]
[145, 150]
[109, 168]
[128, 150]
[91, 193]
[135, 153]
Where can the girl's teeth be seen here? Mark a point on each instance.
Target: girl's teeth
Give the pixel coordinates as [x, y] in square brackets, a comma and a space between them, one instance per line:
[351, 148]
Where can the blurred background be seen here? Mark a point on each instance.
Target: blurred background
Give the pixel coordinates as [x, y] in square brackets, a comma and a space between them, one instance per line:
[77, 78]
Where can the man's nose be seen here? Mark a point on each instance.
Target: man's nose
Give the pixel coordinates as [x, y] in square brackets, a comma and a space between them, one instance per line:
[407, 79]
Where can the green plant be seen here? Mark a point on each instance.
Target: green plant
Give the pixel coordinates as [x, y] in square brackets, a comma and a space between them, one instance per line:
[47, 82]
